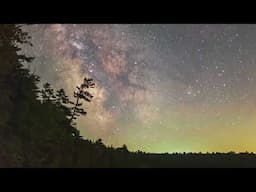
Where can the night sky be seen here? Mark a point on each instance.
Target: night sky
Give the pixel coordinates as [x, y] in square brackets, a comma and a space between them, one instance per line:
[160, 87]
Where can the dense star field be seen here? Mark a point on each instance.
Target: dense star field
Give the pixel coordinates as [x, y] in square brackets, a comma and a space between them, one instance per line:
[159, 87]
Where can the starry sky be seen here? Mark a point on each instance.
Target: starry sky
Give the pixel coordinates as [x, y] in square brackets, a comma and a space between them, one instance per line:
[159, 87]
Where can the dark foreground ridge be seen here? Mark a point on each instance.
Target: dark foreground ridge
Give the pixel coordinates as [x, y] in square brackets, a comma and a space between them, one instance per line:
[87, 154]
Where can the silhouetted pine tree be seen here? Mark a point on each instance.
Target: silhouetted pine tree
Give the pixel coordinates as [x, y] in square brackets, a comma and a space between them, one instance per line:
[47, 94]
[82, 94]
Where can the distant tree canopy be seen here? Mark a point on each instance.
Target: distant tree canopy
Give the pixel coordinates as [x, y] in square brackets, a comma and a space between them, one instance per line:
[123, 148]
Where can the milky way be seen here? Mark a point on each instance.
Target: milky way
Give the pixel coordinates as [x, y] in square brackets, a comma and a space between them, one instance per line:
[160, 88]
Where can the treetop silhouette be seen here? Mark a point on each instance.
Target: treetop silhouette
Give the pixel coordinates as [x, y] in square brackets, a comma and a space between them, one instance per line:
[82, 93]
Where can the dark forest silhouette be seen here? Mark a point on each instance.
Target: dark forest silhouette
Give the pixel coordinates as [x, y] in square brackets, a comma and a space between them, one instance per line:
[37, 126]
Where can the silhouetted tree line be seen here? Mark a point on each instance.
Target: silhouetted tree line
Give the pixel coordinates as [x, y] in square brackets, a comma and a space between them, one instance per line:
[37, 126]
